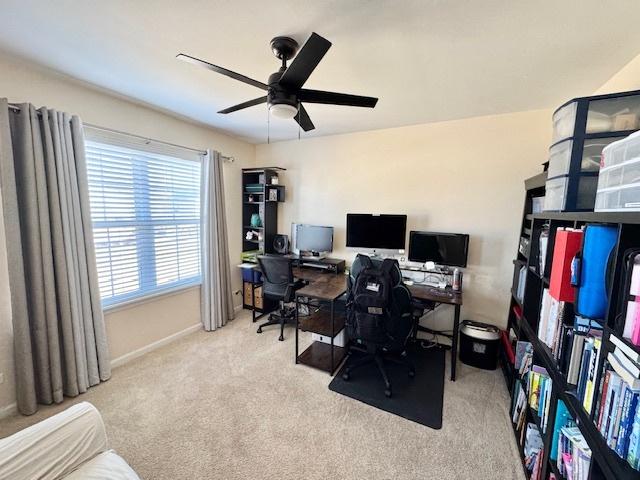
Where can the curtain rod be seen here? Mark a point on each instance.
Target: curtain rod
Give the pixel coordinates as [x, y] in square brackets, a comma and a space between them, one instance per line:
[225, 158]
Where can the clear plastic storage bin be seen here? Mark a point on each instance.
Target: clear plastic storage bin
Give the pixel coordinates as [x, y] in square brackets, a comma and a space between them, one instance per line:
[618, 112]
[564, 122]
[625, 198]
[560, 159]
[619, 180]
[613, 114]
[592, 153]
[557, 192]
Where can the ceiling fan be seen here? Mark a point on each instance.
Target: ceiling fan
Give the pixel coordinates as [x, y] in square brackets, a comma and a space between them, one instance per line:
[284, 88]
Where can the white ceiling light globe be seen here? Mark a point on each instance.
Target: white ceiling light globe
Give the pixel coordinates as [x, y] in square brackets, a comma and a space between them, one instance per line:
[283, 110]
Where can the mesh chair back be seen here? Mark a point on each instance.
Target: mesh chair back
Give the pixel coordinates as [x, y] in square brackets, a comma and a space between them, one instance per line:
[277, 273]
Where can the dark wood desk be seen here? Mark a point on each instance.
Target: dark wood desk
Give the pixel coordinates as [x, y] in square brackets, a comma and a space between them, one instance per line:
[431, 294]
[329, 287]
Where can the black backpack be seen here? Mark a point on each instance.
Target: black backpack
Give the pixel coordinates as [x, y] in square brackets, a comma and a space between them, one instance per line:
[370, 303]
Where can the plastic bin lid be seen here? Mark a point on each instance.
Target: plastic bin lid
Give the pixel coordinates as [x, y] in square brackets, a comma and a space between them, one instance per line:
[480, 331]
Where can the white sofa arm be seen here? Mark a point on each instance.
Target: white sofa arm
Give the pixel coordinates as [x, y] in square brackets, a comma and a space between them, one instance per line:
[54, 447]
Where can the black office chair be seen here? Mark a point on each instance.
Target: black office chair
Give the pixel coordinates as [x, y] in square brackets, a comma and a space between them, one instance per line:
[384, 338]
[278, 284]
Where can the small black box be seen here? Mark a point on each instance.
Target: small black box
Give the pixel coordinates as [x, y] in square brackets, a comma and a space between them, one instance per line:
[479, 344]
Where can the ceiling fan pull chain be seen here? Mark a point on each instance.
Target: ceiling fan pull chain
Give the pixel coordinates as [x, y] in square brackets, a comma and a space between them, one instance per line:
[299, 120]
[268, 127]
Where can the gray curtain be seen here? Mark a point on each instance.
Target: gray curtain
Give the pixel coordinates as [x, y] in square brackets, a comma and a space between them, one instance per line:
[216, 296]
[59, 333]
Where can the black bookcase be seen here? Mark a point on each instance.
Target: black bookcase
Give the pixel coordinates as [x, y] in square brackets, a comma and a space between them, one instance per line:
[523, 317]
[261, 193]
[534, 189]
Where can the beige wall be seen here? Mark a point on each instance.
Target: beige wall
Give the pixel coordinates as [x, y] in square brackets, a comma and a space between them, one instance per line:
[628, 78]
[461, 176]
[138, 326]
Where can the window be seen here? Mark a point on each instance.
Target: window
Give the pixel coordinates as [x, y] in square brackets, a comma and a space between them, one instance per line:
[145, 208]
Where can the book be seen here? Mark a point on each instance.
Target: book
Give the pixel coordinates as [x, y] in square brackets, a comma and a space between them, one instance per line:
[587, 351]
[563, 417]
[626, 362]
[614, 383]
[603, 397]
[634, 287]
[631, 318]
[633, 455]
[616, 391]
[627, 350]
[587, 402]
[575, 359]
[522, 348]
[626, 422]
[625, 374]
[545, 312]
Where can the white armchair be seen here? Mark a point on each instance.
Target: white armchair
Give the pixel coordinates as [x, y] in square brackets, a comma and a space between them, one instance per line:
[70, 445]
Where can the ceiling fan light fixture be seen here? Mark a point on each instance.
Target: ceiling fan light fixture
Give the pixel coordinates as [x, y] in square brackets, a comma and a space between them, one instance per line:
[283, 110]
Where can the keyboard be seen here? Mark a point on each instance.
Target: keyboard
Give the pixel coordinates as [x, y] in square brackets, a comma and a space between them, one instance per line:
[439, 292]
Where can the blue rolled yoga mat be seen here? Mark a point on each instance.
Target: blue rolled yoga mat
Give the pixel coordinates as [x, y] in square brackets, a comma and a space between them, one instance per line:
[598, 244]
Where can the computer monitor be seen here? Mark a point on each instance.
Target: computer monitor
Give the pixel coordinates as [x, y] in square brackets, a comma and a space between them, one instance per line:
[315, 239]
[365, 230]
[448, 249]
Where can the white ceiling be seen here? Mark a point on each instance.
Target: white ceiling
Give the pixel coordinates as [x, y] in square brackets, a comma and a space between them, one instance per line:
[427, 60]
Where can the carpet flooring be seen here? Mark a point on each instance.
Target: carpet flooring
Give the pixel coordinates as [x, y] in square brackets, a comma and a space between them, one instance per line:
[233, 405]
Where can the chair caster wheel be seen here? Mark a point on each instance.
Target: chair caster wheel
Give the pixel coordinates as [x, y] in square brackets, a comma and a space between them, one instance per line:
[281, 338]
[387, 392]
[259, 330]
[346, 376]
[412, 373]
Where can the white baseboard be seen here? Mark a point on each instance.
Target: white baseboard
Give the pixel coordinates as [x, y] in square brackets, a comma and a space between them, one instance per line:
[9, 410]
[127, 357]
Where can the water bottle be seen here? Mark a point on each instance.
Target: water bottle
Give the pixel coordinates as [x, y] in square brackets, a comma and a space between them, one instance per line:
[457, 278]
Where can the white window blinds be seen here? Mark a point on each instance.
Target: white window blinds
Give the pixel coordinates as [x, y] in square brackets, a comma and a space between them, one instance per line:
[145, 208]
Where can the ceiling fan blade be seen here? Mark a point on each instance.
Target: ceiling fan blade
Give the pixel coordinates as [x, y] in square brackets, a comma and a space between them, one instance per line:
[223, 71]
[305, 62]
[333, 98]
[303, 119]
[249, 103]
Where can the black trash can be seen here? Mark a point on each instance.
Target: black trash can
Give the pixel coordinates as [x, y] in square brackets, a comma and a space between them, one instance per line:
[479, 344]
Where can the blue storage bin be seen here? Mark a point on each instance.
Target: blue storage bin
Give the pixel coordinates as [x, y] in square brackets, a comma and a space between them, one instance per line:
[251, 275]
[597, 247]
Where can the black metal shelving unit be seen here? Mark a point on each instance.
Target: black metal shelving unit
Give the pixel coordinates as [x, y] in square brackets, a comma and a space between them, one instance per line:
[260, 195]
[523, 317]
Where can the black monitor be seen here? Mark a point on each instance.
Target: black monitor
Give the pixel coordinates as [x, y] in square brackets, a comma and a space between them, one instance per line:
[314, 238]
[442, 248]
[365, 230]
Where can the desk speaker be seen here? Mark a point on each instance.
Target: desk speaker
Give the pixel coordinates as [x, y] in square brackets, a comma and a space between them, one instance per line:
[281, 244]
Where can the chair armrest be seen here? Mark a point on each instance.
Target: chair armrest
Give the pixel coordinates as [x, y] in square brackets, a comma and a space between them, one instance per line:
[54, 447]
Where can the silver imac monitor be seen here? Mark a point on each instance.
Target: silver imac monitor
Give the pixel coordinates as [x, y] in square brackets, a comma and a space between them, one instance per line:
[314, 240]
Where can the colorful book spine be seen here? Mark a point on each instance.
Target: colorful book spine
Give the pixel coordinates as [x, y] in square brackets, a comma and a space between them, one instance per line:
[633, 455]
[591, 376]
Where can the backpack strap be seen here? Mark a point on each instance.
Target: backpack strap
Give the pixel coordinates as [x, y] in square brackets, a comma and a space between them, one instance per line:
[387, 266]
[365, 261]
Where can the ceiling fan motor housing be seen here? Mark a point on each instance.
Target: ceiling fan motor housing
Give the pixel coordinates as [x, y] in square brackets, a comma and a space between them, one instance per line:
[276, 94]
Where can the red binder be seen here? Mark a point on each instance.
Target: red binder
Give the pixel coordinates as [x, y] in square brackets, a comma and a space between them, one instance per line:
[567, 245]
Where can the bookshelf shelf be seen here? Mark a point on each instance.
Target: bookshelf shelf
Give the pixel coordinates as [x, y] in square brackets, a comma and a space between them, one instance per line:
[524, 321]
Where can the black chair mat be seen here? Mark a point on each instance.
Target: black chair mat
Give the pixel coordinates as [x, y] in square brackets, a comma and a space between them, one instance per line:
[418, 399]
